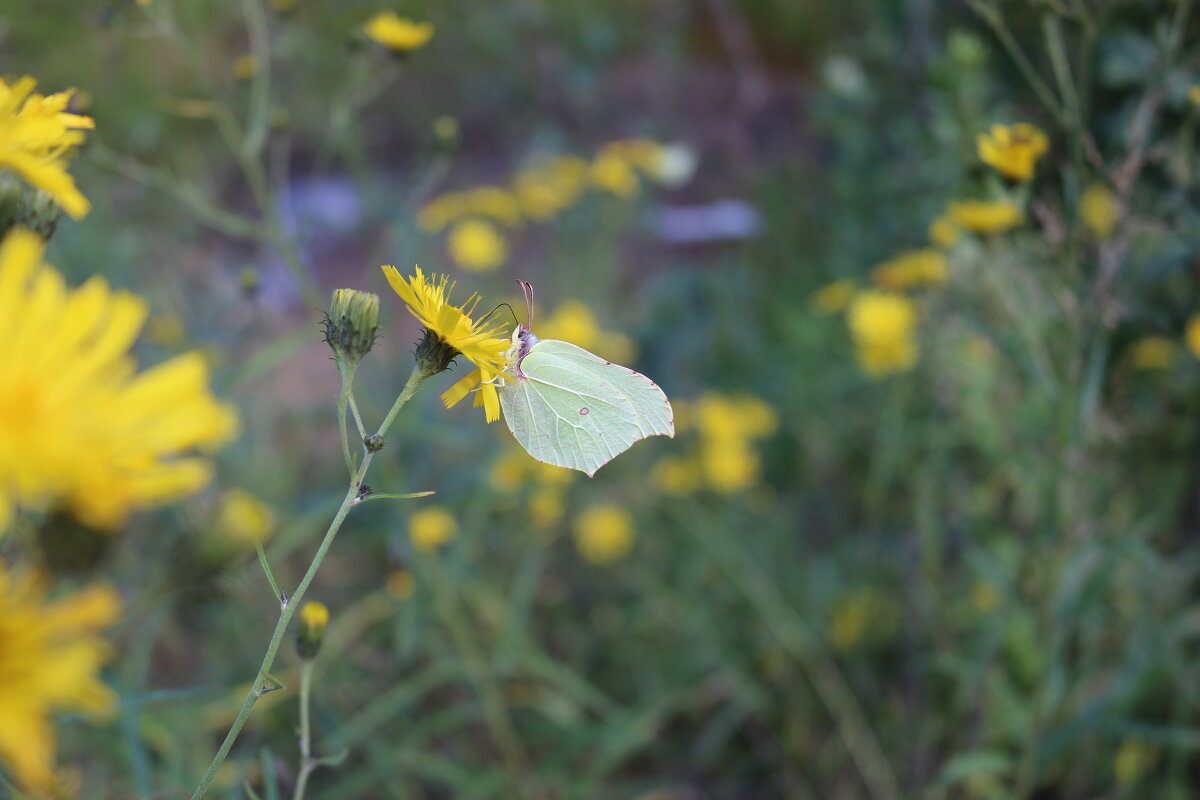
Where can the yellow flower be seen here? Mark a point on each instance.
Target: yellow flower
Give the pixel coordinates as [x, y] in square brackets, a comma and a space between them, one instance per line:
[833, 297]
[401, 584]
[925, 267]
[430, 528]
[1191, 335]
[398, 33]
[984, 216]
[510, 470]
[441, 211]
[546, 507]
[943, 233]
[482, 344]
[572, 321]
[604, 534]
[730, 464]
[550, 186]
[50, 657]
[614, 173]
[883, 326]
[244, 519]
[1153, 352]
[675, 476]
[1013, 151]
[314, 619]
[244, 67]
[1193, 95]
[79, 427]
[1098, 210]
[496, 203]
[36, 139]
[475, 244]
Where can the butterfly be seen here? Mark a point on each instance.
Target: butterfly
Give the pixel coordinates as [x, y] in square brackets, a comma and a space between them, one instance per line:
[571, 408]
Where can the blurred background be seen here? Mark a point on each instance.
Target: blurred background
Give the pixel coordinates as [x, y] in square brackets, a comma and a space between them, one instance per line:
[928, 527]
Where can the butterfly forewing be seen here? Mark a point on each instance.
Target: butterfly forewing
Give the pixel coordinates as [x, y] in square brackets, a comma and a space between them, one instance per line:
[574, 409]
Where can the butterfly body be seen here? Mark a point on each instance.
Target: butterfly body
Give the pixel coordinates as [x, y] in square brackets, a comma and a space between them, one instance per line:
[571, 408]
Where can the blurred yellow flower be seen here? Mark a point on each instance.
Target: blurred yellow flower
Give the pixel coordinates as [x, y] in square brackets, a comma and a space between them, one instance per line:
[50, 659]
[675, 476]
[730, 464]
[310, 633]
[604, 534]
[943, 233]
[79, 427]
[719, 416]
[430, 528]
[883, 327]
[401, 584]
[496, 203]
[985, 216]
[1098, 210]
[398, 33]
[483, 345]
[546, 506]
[574, 322]
[36, 140]
[1153, 352]
[244, 67]
[441, 211]
[834, 297]
[1193, 95]
[510, 470]
[1191, 335]
[550, 186]
[243, 519]
[613, 173]
[1013, 150]
[913, 269]
[475, 244]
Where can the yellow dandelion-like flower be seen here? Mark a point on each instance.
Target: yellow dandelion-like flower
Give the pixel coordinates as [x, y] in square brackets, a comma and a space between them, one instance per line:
[50, 657]
[883, 325]
[475, 244]
[1013, 150]
[36, 140]
[986, 216]
[398, 33]
[833, 297]
[430, 528]
[484, 345]
[310, 633]
[614, 173]
[604, 534]
[79, 427]
[572, 321]
[914, 269]
[1098, 210]
[943, 233]
[243, 519]
[1153, 353]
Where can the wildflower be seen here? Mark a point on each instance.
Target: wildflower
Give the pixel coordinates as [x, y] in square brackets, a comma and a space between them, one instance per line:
[1193, 95]
[671, 165]
[883, 325]
[244, 519]
[450, 332]
[1098, 210]
[925, 267]
[614, 173]
[430, 528]
[397, 33]
[314, 619]
[729, 464]
[1013, 150]
[1191, 335]
[1153, 352]
[833, 297]
[551, 186]
[546, 507]
[604, 534]
[36, 138]
[943, 233]
[475, 244]
[401, 584]
[244, 67]
[574, 322]
[495, 203]
[352, 324]
[984, 217]
[675, 476]
[50, 657]
[79, 428]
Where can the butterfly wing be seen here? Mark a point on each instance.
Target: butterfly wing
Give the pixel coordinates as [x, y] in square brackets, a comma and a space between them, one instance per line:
[574, 409]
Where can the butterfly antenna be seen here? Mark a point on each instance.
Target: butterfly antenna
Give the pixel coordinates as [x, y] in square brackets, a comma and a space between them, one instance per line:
[497, 308]
[527, 291]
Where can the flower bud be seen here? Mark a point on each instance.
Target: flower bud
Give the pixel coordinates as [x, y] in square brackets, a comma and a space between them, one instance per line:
[40, 213]
[10, 202]
[433, 354]
[374, 443]
[314, 619]
[352, 323]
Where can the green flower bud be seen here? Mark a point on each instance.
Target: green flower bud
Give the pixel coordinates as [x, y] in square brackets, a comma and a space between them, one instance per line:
[374, 443]
[314, 619]
[433, 354]
[352, 323]
[40, 213]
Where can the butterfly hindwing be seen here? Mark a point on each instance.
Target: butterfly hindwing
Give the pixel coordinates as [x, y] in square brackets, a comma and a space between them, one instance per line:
[574, 409]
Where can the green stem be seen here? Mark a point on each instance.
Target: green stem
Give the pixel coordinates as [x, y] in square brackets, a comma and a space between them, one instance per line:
[307, 762]
[994, 18]
[347, 369]
[289, 608]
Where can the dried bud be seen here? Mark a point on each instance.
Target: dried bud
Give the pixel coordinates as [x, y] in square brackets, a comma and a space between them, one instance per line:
[314, 619]
[374, 443]
[352, 323]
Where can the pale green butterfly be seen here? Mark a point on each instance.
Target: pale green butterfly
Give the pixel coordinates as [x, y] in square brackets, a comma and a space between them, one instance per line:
[570, 408]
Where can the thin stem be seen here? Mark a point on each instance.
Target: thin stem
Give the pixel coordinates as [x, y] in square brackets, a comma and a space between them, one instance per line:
[362, 429]
[307, 762]
[994, 18]
[347, 369]
[257, 688]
